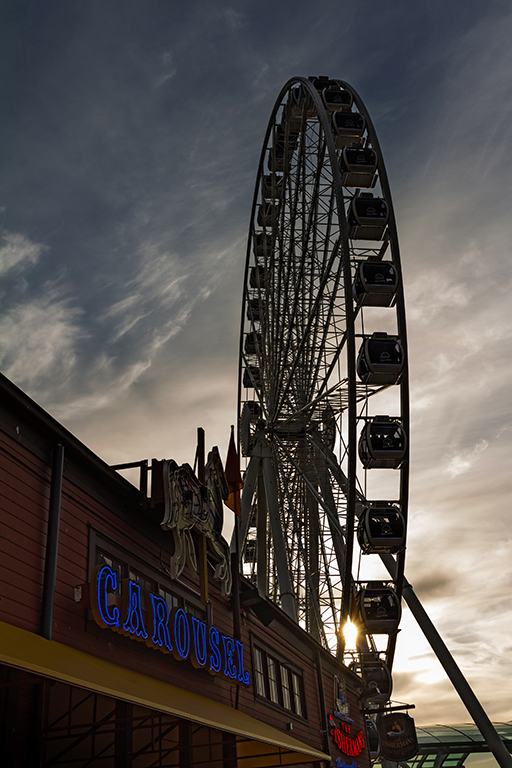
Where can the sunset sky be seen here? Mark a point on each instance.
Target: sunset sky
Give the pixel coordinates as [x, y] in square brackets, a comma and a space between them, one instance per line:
[130, 138]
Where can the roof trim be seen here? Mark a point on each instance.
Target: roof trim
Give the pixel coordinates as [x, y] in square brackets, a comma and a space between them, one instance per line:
[19, 403]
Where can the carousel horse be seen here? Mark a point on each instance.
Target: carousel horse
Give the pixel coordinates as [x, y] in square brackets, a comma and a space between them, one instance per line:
[190, 505]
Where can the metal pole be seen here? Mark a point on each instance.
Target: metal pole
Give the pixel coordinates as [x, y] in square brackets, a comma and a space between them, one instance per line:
[456, 677]
[261, 538]
[283, 574]
[251, 477]
[52, 543]
[202, 559]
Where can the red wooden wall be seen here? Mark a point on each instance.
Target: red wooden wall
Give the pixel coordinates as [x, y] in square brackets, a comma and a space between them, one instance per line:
[87, 501]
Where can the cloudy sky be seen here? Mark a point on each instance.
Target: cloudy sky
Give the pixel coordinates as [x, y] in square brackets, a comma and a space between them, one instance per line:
[130, 135]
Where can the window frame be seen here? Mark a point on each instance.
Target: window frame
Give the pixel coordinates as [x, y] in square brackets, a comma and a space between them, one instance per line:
[188, 598]
[281, 663]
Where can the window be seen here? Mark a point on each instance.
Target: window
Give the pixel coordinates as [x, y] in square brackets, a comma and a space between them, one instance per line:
[259, 674]
[285, 681]
[278, 682]
[297, 693]
[102, 558]
[171, 600]
[143, 583]
[103, 550]
[273, 679]
[198, 613]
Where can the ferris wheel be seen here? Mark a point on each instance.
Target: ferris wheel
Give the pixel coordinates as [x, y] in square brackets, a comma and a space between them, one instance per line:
[323, 384]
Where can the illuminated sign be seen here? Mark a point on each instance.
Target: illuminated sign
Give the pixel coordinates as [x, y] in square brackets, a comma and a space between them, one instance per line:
[186, 637]
[341, 705]
[346, 743]
[339, 763]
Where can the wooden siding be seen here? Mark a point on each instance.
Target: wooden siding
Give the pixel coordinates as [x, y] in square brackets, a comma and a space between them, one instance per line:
[24, 496]
[354, 687]
[24, 493]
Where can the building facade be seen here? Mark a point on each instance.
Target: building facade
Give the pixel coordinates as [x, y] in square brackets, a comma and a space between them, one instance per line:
[108, 657]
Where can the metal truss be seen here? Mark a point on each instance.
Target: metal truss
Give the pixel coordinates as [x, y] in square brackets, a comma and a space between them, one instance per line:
[301, 405]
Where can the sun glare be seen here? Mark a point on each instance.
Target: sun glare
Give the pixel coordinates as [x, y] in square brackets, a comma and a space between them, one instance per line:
[350, 633]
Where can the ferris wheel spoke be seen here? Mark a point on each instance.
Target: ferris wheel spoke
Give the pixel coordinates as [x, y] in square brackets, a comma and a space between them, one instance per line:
[306, 570]
[291, 317]
[333, 465]
[337, 537]
[331, 515]
[322, 275]
[287, 248]
[318, 378]
[313, 317]
[302, 291]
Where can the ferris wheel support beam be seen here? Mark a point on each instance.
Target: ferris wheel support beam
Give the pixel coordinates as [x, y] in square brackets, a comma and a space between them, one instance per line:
[331, 515]
[451, 668]
[260, 464]
[315, 605]
[251, 477]
[283, 574]
[261, 536]
[335, 468]
[337, 538]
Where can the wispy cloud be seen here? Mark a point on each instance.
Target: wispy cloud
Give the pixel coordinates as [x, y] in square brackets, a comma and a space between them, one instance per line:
[17, 250]
[234, 18]
[38, 339]
[459, 463]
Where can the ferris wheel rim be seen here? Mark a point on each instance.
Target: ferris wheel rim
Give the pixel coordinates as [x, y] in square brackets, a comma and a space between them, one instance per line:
[349, 339]
[334, 166]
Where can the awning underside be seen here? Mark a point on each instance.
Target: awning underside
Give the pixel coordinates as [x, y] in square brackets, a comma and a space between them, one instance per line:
[258, 744]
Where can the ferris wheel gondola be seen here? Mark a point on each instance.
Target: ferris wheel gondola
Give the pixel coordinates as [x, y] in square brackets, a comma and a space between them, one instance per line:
[322, 266]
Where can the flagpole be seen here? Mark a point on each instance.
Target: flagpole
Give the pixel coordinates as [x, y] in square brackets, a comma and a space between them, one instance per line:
[203, 563]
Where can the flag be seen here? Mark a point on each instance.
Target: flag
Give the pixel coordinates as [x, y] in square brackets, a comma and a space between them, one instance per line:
[233, 477]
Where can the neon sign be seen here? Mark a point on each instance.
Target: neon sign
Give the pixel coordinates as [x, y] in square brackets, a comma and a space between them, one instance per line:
[104, 576]
[349, 745]
[186, 637]
[339, 763]
[132, 609]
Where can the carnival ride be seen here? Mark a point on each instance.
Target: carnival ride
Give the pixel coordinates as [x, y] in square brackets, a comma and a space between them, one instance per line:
[323, 355]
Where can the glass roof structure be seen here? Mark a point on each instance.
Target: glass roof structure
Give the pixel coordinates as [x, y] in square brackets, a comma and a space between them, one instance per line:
[448, 746]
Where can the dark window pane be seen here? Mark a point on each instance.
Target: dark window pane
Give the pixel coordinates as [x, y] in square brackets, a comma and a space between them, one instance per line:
[259, 676]
[285, 683]
[143, 583]
[297, 698]
[272, 680]
[171, 600]
[101, 558]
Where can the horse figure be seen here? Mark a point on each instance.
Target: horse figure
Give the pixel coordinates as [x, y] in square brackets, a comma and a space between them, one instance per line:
[190, 505]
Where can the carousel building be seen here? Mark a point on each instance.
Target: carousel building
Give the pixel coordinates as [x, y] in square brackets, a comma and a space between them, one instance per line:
[127, 637]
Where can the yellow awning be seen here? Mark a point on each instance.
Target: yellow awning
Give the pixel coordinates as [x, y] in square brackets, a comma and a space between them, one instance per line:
[33, 653]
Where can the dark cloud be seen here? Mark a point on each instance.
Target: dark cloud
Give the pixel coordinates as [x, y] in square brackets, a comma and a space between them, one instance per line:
[433, 584]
